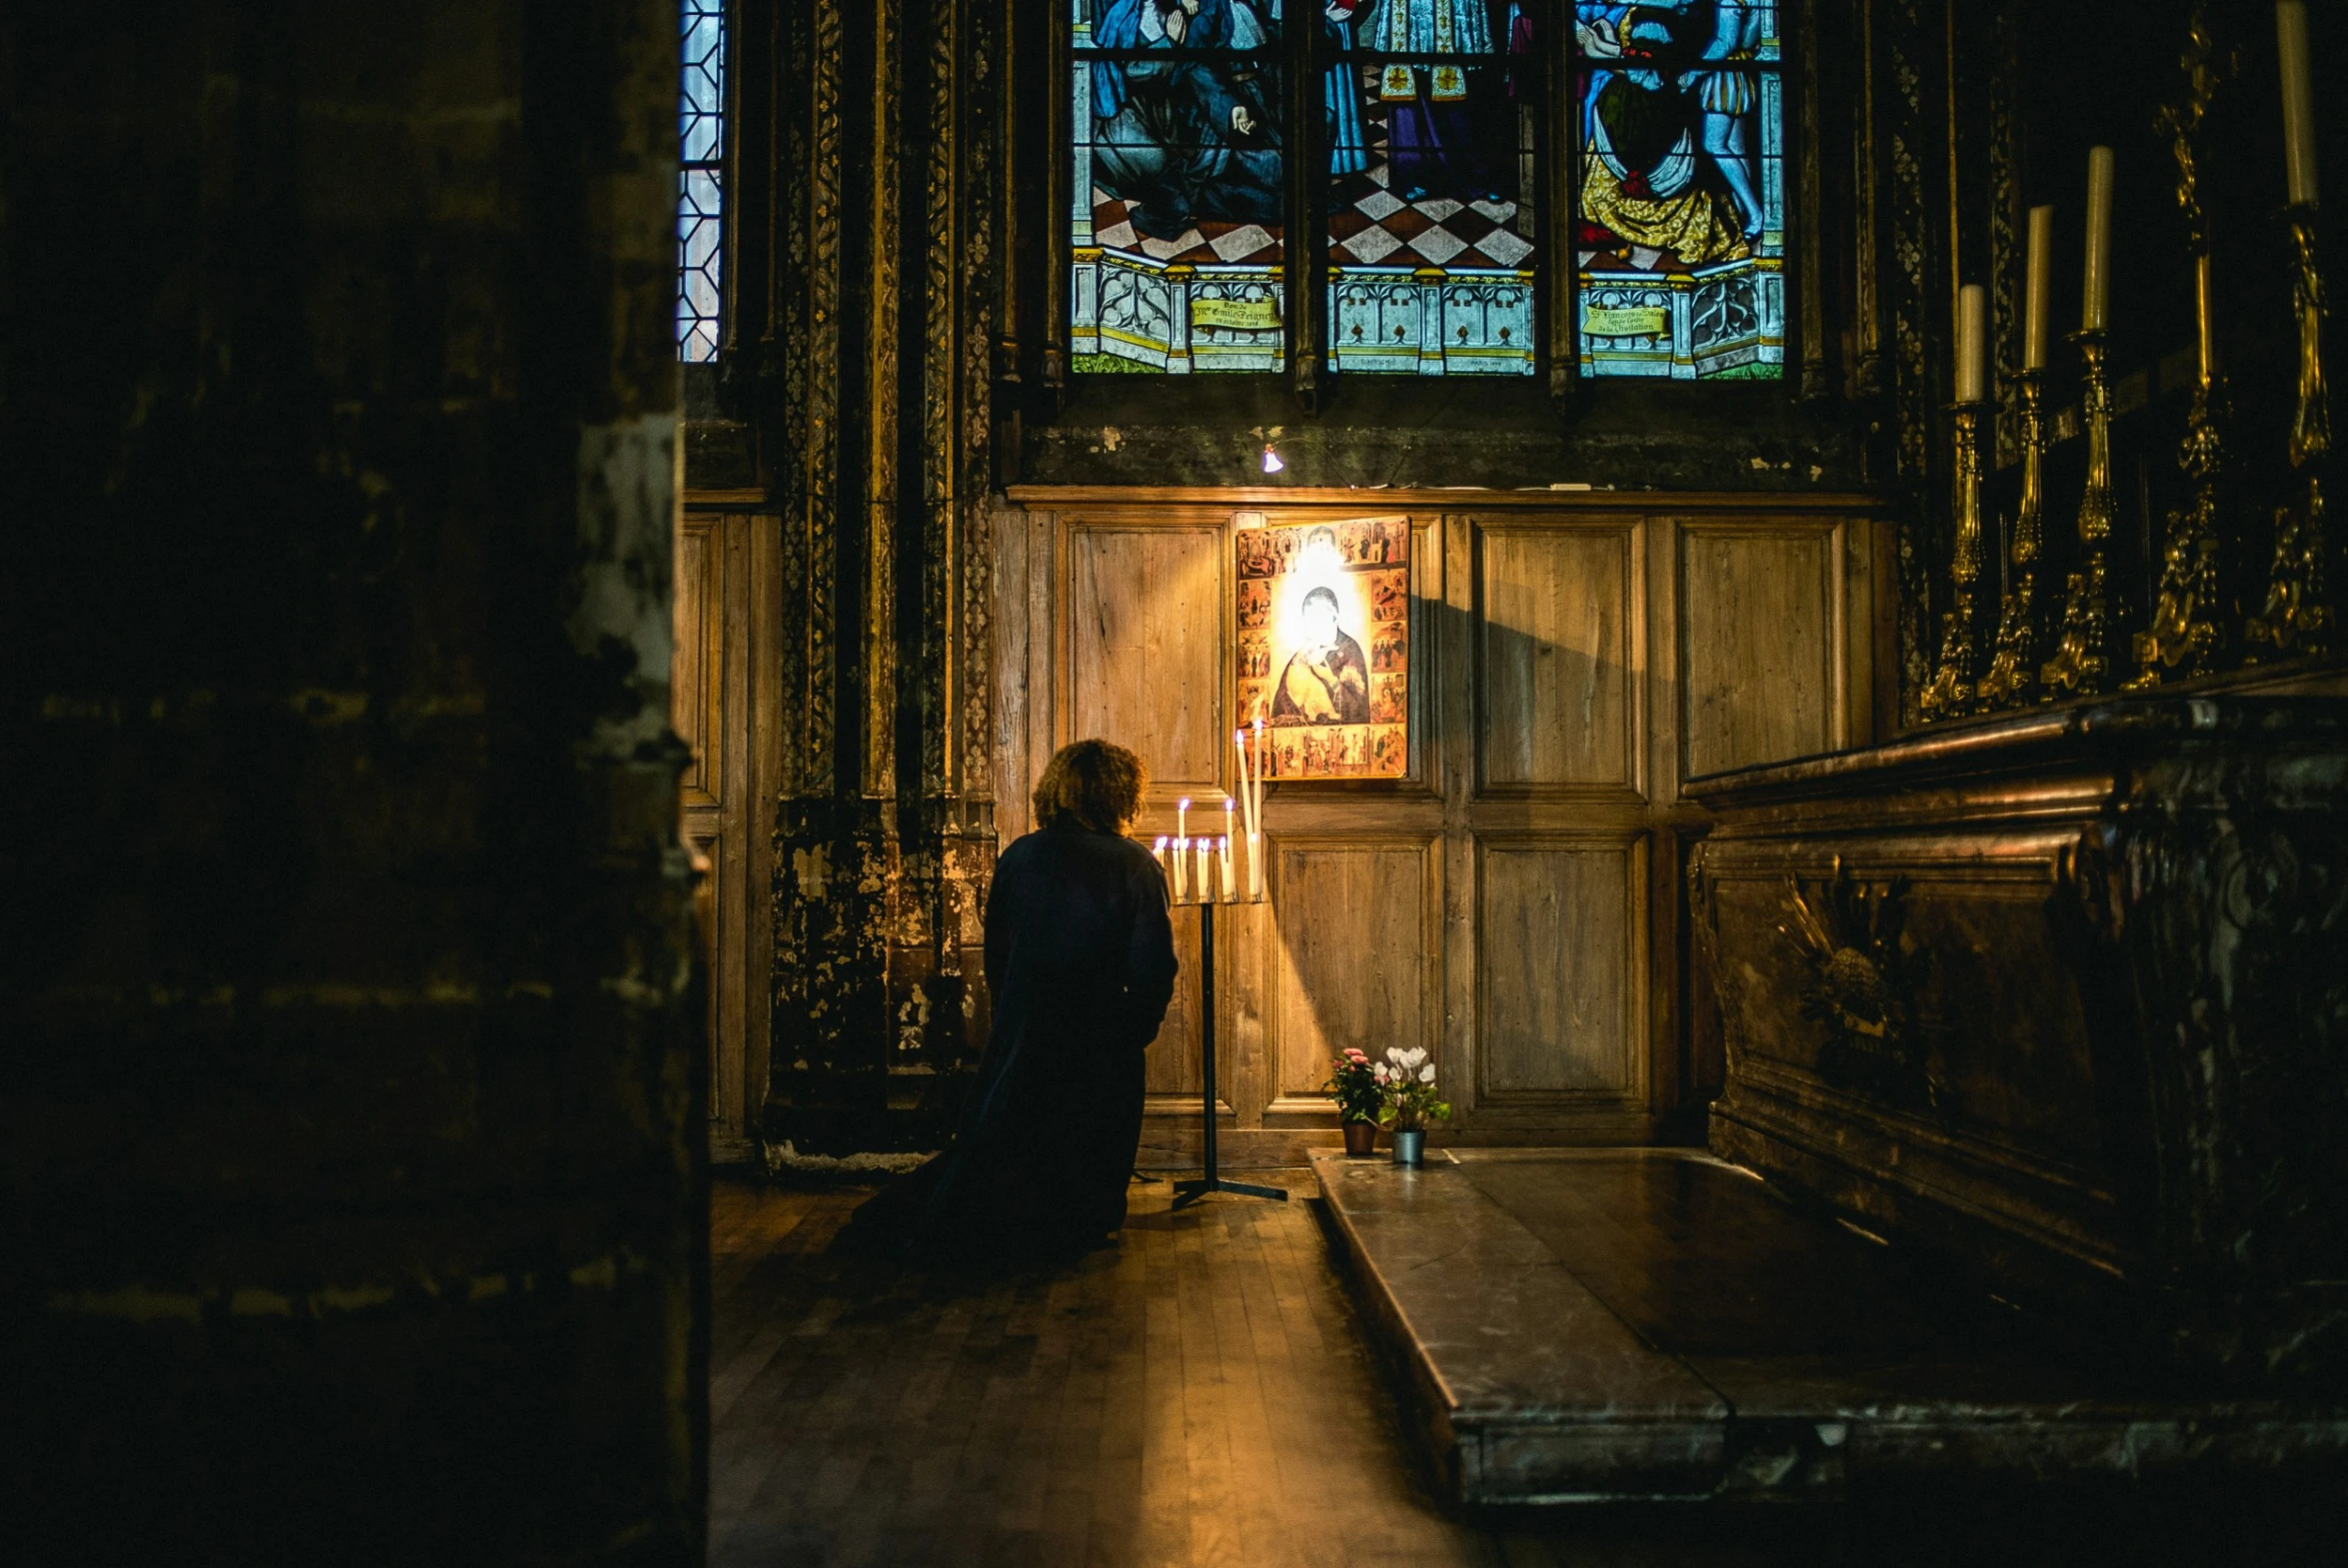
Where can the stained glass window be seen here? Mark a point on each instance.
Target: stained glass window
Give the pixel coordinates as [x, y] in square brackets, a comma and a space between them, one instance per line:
[1679, 239]
[1176, 221]
[1433, 118]
[701, 191]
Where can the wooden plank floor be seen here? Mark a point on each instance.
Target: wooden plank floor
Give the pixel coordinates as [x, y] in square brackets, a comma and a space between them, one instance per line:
[1200, 1395]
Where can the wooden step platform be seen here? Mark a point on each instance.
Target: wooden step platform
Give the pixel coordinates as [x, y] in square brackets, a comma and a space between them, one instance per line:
[1603, 1325]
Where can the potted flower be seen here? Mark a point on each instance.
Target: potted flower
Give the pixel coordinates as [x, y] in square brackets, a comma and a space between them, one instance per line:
[1406, 1095]
[1353, 1083]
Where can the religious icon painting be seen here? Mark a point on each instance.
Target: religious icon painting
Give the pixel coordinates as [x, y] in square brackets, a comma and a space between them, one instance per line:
[1324, 655]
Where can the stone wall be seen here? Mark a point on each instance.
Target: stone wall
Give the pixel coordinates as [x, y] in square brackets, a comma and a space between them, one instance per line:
[351, 1125]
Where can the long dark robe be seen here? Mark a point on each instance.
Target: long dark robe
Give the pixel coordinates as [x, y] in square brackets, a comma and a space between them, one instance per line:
[1080, 967]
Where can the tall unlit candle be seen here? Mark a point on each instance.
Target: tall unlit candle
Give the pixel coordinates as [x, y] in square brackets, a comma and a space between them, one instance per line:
[2039, 284]
[2298, 103]
[2095, 306]
[1972, 377]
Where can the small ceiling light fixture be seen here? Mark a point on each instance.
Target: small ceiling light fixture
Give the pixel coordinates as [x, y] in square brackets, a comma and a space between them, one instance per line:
[1271, 459]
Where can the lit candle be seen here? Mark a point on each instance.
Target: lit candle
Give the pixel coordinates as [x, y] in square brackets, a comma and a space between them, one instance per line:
[2040, 275]
[1205, 888]
[1226, 815]
[1157, 854]
[2095, 311]
[1972, 368]
[1182, 870]
[1182, 819]
[1230, 881]
[2298, 103]
[1255, 867]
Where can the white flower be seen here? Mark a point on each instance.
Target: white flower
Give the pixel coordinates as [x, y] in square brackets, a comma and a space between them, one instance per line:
[1427, 1073]
[1380, 1072]
[1408, 1060]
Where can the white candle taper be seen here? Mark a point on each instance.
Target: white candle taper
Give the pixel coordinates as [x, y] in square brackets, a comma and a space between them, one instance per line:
[2095, 304]
[1205, 888]
[1182, 819]
[1182, 870]
[1230, 881]
[2041, 280]
[1157, 854]
[2298, 103]
[1972, 368]
[1255, 827]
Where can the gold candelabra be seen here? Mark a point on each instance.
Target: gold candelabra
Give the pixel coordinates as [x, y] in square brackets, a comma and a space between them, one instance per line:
[1951, 692]
[2083, 653]
[2296, 619]
[2183, 636]
[2012, 677]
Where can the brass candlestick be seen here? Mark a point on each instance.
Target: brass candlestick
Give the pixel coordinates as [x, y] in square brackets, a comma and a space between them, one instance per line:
[2012, 677]
[2296, 618]
[1951, 692]
[2184, 635]
[2082, 654]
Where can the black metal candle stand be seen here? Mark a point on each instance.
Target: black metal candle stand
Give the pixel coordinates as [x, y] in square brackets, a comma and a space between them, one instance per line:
[1186, 1192]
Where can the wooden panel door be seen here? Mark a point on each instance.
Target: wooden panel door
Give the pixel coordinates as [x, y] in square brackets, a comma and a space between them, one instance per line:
[725, 612]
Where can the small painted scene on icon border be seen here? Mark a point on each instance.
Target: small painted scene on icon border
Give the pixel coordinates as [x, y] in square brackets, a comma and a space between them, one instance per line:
[1432, 119]
[1325, 645]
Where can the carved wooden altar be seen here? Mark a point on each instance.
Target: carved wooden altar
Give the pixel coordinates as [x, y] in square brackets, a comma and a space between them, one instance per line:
[2065, 991]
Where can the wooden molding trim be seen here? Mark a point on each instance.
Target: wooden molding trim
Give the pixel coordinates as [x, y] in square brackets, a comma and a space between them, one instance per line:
[1672, 501]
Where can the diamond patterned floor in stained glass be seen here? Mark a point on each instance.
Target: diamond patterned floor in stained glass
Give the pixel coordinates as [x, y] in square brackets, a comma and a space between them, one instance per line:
[1371, 227]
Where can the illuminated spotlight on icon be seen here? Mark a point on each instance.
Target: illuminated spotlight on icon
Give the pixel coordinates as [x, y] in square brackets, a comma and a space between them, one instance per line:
[1271, 459]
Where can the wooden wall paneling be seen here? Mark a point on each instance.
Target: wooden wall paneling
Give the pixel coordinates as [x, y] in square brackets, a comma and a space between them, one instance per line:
[1008, 624]
[1559, 644]
[763, 652]
[729, 1105]
[1561, 923]
[726, 586]
[1149, 646]
[1760, 647]
[1044, 654]
[1174, 1077]
[1358, 960]
[695, 693]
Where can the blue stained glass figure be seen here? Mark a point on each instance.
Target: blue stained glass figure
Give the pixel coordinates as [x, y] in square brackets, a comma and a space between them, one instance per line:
[701, 204]
[1681, 235]
[1433, 122]
[1177, 222]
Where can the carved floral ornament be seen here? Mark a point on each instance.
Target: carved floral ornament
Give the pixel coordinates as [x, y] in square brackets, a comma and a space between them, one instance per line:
[1865, 978]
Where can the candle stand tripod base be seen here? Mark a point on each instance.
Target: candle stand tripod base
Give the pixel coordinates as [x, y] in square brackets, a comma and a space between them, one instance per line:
[1187, 1192]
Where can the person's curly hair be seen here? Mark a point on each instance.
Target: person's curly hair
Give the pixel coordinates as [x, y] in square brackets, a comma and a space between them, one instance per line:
[1092, 783]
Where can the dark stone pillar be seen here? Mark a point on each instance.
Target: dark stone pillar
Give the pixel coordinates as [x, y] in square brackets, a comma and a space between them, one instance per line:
[351, 1141]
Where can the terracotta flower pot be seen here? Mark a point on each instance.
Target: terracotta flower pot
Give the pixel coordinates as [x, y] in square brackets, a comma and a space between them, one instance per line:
[1361, 1137]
